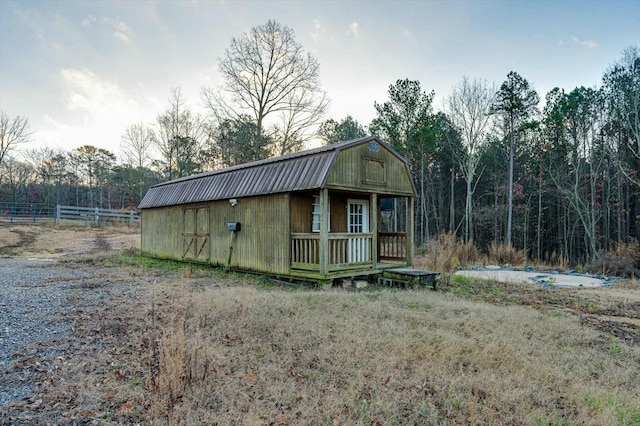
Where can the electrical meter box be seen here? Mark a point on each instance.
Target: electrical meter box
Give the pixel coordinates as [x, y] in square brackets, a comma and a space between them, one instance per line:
[233, 226]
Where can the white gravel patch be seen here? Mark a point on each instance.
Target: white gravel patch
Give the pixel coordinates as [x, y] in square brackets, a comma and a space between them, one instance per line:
[541, 278]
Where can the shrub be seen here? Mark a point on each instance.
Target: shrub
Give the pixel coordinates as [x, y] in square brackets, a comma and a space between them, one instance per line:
[467, 253]
[623, 260]
[507, 254]
[446, 253]
[558, 260]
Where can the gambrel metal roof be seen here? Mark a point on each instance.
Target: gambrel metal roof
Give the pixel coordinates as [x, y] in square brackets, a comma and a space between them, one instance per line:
[293, 172]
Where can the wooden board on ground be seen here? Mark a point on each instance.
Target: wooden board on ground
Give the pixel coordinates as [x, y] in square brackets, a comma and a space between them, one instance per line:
[408, 277]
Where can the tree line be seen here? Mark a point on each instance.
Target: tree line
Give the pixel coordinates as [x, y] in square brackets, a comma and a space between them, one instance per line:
[560, 180]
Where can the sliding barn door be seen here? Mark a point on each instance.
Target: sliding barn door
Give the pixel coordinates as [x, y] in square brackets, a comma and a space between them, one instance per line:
[195, 236]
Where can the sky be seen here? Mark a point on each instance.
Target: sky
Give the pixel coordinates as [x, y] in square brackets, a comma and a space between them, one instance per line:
[83, 71]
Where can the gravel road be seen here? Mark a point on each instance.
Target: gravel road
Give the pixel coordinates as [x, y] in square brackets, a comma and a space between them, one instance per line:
[33, 297]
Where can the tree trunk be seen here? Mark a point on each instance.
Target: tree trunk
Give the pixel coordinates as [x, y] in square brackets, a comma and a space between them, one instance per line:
[423, 203]
[452, 205]
[468, 224]
[539, 226]
[510, 195]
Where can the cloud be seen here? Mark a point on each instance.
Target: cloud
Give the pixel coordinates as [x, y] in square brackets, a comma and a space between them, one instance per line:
[318, 31]
[88, 20]
[353, 30]
[86, 91]
[588, 43]
[96, 111]
[123, 32]
[121, 36]
[52, 122]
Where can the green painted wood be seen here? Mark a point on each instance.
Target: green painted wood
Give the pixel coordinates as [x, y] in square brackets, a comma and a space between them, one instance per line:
[349, 172]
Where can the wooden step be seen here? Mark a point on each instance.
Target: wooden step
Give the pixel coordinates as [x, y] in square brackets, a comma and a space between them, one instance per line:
[409, 278]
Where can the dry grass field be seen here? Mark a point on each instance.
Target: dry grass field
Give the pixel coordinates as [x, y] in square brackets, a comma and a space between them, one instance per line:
[157, 342]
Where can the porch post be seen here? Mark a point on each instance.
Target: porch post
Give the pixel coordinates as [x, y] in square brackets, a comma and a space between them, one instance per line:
[374, 229]
[324, 231]
[410, 231]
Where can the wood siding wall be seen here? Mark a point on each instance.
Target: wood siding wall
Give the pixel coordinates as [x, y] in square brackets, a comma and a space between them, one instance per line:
[162, 232]
[338, 215]
[262, 244]
[360, 169]
[302, 205]
[301, 210]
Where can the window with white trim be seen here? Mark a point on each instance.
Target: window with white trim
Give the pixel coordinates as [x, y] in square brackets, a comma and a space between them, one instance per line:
[316, 214]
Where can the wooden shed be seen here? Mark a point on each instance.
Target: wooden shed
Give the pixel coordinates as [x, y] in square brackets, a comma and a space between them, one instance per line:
[342, 210]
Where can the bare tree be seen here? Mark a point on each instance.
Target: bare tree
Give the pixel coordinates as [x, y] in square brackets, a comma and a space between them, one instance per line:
[178, 136]
[468, 108]
[622, 89]
[306, 110]
[136, 148]
[230, 142]
[12, 132]
[17, 175]
[266, 75]
[50, 167]
[95, 164]
[136, 145]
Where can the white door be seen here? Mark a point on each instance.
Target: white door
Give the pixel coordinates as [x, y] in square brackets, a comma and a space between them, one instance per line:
[358, 223]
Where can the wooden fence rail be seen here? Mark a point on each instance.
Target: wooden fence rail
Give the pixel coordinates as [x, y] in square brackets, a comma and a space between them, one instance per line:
[26, 213]
[96, 216]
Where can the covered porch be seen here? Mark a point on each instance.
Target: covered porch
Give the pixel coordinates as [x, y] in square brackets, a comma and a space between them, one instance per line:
[375, 238]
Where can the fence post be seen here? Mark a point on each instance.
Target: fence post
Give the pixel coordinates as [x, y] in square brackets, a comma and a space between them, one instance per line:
[97, 217]
[57, 220]
[130, 217]
[13, 211]
[34, 207]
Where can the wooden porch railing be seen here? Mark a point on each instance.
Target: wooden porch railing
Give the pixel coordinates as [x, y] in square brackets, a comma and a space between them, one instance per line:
[392, 246]
[305, 251]
[344, 251]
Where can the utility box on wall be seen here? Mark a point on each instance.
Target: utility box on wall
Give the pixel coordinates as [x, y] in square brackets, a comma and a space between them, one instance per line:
[233, 226]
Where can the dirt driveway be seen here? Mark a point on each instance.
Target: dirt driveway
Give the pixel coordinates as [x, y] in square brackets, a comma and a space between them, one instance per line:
[64, 320]
[46, 241]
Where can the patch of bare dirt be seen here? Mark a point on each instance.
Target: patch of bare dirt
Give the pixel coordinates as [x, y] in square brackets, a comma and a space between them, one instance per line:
[15, 239]
[47, 241]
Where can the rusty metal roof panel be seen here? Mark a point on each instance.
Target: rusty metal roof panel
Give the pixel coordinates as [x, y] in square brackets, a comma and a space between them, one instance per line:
[293, 172]
[298, 173]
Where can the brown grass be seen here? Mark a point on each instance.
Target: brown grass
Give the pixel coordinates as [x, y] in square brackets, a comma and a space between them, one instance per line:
[195, 347]
[446, 253]
[242, 355]
[506, 254]
[623, 260]
[192, 346]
